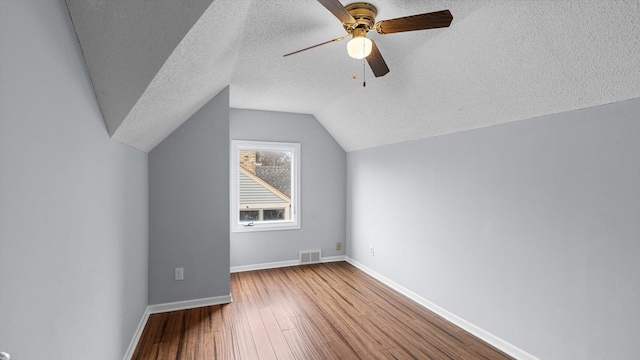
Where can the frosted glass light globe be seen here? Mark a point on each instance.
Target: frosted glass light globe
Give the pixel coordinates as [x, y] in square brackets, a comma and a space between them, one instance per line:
[359, 47]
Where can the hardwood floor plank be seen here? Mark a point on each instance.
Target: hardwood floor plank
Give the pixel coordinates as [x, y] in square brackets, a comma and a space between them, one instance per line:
[269, 279]
[222, 349]
[164, 352]
[173, 333]
[154, 351]
[261, 339]
[452, 344]
[303, 348]
[279, 305]
[208, 318]
[313, 331]
[215, 318]
[296, 344]
[244, 345]
[276, 337]
[209, 345]
[342, 351]
[319, 311]
[397, 354]
[349, 332]
[406, 340]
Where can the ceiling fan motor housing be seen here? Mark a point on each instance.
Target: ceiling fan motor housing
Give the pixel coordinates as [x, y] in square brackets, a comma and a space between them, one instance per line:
[365, 15]
[360, 17]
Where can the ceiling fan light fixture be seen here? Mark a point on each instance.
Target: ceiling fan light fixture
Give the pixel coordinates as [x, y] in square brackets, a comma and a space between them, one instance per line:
[359, 47]
[360, 17]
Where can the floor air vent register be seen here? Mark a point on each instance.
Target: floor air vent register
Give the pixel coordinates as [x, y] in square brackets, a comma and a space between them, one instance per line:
[310, 257]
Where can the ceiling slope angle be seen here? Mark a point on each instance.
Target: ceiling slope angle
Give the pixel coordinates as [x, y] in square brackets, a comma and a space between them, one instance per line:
[125, 43]
[498, 61]
[506, 61]
[198, 69]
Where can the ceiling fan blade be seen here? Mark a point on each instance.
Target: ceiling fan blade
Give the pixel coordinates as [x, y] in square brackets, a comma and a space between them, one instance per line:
[314, 46]
[433, 20]
[338, 11]
[376, 62]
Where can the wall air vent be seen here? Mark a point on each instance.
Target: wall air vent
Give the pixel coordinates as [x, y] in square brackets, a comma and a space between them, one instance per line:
[310, 256]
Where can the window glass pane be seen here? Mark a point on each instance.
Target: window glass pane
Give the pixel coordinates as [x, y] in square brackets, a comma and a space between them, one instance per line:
[265, 183]
[273, 214]
[249, 215]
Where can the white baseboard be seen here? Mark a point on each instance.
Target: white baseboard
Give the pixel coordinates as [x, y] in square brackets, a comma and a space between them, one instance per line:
[271, 265]
[279, 264]
[189, 304]
[136, 336]
[333, 258]
[493, 340]
[172, 306]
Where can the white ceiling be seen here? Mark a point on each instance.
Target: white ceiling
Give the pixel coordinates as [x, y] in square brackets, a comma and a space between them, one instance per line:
[154, 64]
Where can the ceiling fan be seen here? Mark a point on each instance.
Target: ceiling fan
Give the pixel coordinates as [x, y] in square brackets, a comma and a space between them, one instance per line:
[359, 18]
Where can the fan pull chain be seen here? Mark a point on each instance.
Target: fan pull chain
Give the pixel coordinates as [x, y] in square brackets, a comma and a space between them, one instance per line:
[364, 73]
[364, 76]
[354, 68]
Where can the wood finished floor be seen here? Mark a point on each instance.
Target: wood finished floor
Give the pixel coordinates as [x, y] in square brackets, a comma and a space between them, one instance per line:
[324, 311]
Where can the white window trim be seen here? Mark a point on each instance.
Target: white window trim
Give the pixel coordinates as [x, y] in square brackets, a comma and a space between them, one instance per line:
[294, 223]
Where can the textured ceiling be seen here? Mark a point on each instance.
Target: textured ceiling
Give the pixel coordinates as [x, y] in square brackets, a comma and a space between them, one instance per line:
[499, 61]
[125, 43]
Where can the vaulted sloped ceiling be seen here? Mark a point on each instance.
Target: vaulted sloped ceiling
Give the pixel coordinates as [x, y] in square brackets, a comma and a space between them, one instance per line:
[155, 63]
[125, 43]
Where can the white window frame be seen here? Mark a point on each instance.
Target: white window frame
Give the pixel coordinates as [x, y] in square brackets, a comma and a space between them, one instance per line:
[294, 222]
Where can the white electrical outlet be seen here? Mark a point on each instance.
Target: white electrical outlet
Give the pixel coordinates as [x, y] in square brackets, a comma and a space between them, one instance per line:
[179, 274]
[371, 250]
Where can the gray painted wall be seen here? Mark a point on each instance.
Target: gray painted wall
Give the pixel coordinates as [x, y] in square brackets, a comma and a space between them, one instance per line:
[529, 230]
[73, 204]
[189, 207]
[323, 186]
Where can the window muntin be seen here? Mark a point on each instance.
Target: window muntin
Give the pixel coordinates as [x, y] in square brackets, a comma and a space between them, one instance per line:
[265, 186]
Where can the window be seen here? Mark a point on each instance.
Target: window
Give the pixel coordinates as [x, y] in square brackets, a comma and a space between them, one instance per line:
[265, 186]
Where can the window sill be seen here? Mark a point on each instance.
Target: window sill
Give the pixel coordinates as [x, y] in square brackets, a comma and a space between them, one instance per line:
[241, 228]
